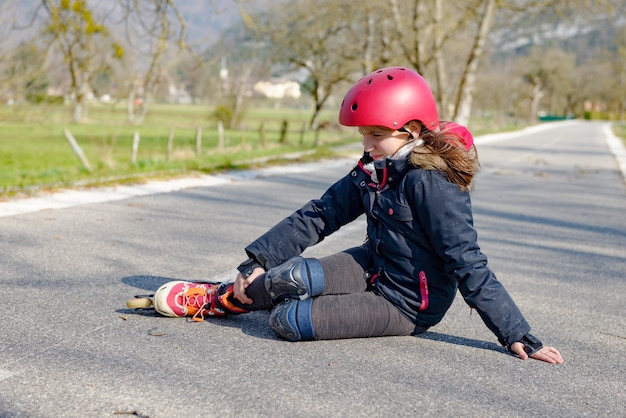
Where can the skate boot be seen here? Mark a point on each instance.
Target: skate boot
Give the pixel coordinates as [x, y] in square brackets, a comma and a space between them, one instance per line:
[191, 299]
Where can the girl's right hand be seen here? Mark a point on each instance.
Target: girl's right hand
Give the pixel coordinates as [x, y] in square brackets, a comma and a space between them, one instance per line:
[241, 284]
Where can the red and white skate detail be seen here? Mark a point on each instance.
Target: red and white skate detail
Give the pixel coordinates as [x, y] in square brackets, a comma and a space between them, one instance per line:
[196, 300]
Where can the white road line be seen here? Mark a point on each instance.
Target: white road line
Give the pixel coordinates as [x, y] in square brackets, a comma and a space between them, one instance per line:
[70, 198]
[616, 145]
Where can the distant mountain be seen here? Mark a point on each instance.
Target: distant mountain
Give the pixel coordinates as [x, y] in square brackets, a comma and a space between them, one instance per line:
[582, 36]
[207, 20]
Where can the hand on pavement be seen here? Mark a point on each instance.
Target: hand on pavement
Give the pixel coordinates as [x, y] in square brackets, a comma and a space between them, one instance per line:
[548, 354]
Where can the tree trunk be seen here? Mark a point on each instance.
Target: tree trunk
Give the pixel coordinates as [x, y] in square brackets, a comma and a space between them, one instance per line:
[143, 109]
[240, 91]
[441, 92]
[78, 110]
[468, 82]
[411, 50]
[368, 65]
[537, 94]
[313, 122]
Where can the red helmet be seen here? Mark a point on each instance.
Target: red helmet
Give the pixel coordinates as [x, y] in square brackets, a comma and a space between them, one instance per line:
[389, 97]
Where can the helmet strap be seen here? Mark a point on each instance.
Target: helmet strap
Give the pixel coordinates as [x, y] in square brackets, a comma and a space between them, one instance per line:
[403, 129]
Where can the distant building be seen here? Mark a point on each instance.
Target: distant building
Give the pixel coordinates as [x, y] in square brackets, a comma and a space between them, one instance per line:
[278, 89]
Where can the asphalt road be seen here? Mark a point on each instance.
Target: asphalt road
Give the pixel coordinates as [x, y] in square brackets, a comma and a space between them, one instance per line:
[550, 208]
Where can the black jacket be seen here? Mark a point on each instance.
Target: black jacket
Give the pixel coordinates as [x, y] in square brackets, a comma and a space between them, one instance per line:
[421, 241]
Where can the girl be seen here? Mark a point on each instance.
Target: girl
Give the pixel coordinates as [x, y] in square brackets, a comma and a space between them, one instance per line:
[413, 185]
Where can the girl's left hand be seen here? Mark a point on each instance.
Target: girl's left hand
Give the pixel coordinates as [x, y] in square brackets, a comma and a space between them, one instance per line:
[548, 354]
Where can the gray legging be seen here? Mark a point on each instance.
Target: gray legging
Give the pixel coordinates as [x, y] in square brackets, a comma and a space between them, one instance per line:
[346, 308]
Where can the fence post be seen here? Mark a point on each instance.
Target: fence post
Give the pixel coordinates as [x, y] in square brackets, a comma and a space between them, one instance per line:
[77, 150]
[283, 132]
[262, 135]
[170, 143]
[220, 135]
[198, 141]
[242, 136]
[302, 131]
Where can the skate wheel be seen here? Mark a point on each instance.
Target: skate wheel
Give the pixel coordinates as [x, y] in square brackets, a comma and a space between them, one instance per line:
[139, 303]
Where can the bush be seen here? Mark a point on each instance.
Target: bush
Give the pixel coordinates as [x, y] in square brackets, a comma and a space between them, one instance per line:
[41, 98]
[225, 114]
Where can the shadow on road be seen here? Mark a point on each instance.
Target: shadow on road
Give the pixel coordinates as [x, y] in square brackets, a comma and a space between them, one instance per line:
[149, 283]
[468, 342]
[256, 323]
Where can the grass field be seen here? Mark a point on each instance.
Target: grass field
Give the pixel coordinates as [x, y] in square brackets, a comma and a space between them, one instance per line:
[35, 154]
[620, 130]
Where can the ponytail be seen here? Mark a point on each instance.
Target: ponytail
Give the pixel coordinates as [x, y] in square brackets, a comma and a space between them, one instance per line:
[450, 151]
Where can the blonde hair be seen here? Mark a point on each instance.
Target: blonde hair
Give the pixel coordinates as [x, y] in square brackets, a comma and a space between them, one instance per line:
[446, 152]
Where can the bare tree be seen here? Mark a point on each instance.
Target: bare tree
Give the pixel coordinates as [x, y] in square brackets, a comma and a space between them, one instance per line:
[23, 72]
[83, 40]
[465, 92]
[152, 26]
[541, 25]
[315, 37]
[155, 29]
[546, 73]
[620, 70]
[429, 36]
[22, 59]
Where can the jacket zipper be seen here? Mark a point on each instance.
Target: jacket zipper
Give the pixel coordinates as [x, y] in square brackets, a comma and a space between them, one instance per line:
[423, 290]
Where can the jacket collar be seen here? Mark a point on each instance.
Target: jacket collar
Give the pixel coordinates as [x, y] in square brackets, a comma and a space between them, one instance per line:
[384, 173]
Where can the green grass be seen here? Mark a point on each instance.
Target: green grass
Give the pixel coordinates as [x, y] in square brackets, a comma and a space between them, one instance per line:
[34, 153]
[620, 130]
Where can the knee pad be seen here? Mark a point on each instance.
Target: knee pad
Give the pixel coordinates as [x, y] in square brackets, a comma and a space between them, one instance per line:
[292, 320]
[297, 278]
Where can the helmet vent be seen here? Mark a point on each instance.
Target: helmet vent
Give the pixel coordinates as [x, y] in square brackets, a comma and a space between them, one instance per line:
[354, 106]
[389, 77]
[369, 81]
